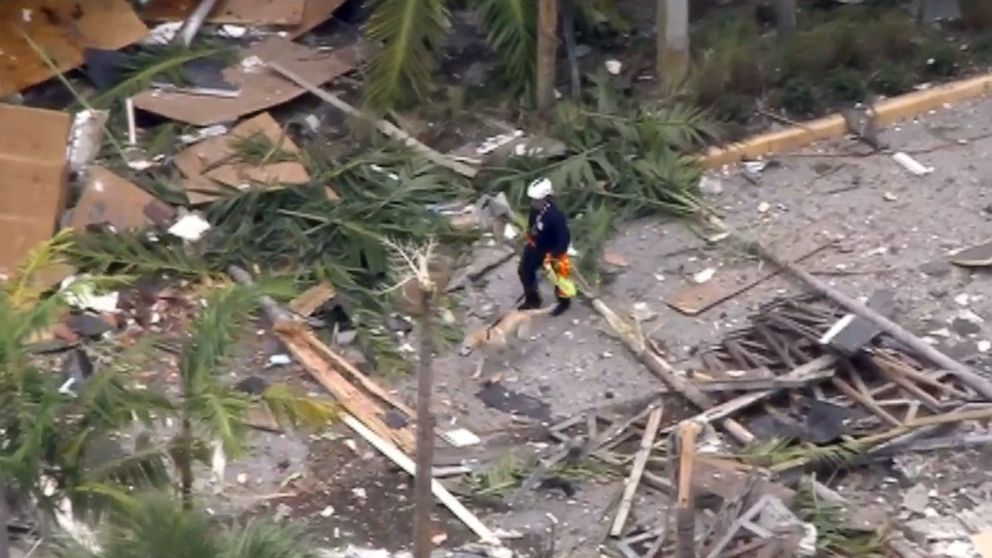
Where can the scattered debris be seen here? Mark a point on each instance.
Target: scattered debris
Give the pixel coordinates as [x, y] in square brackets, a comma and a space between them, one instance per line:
[911, 164]
[704, 275]
[462, 437]
[112, 200]
[84, 297]
[190, 227]
[979, 255]
[66, 30]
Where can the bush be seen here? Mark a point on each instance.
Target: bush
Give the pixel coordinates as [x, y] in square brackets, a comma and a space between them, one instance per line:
[940, 59]
[892, 79]
[847, 85]
[799, 97]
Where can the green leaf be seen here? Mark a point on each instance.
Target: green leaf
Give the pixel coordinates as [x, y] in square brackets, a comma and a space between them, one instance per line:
[408, 32]
[511, 30]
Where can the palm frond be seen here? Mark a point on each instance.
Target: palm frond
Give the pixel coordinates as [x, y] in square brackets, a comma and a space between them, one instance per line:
[23, 288]
[831, 536]
[298, 410]
[157, 526]
[150, 63]
[220, 412]
[135, 253]
[408, 31]
[263, 539]
[213, 332]
[511, 30]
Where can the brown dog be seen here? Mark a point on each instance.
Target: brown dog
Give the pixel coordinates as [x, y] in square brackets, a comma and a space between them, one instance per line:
[498, 336]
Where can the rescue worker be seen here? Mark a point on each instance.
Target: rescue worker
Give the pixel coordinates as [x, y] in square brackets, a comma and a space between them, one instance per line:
[547, 242]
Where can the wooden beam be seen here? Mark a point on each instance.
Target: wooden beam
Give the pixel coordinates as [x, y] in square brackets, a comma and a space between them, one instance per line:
[640, 460]
[423, 481]
[685, 532]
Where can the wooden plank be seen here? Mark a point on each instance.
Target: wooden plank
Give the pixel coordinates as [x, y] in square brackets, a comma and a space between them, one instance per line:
[311, 299]
[685, 539]
[727, 284]
[641, 459]
[895, 374]
[866, 401]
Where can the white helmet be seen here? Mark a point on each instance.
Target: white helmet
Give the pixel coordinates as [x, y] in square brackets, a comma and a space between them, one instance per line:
[539, 189]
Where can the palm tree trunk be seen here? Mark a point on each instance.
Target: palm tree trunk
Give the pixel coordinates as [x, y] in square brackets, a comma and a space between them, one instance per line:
[571, 49]
[786, 11]
[4, 521]
[186, 463]
[547, 49]
[672, 41]
[423, 498]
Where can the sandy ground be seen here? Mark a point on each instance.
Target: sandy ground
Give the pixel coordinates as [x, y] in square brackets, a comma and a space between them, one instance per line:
[894, 230]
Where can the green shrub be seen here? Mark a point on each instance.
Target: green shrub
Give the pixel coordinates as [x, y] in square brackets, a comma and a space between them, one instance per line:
[940, 59]
[847, 85]
[799, 97]
[892, 79]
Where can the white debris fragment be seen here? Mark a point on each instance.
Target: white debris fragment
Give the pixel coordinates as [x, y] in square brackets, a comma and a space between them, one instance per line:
[346, 337]
[233, 31]
[495, 142]
[312, 122]
[889, 197]
[86, 138]
[807, 544]
[327, 512]
[755, 167]
[163, 34]
[911, 164]
[26, 15]
[190, 227]
[763, 207]
[83, 296]
[942, 332]
[462, 437]
[962, 299]
[218, 462]
[252, 64]
[510, 232]
[969, 316]
[203, 133]
[643, 313]
[280, 359]
[711, 186]
[613, 67]
[360, 493]
[242, 478]
[704, 275]
[984, 345]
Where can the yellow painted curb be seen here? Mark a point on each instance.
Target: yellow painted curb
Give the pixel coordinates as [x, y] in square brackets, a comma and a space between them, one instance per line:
[832, 127]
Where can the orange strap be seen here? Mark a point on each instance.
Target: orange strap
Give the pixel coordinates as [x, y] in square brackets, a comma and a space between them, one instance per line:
[562, 265]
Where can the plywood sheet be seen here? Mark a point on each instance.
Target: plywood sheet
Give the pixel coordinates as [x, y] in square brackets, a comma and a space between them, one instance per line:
[315, 12]
[110, 199]
[252, 12]
[727, 283]
[204, 167]
[32, 179]
[260, 87]
[62, 29]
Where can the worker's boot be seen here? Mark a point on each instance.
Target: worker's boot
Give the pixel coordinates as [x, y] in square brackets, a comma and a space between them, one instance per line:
[532, 301]
[562, 306]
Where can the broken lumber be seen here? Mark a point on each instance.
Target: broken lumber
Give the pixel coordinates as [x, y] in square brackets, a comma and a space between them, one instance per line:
[384, 126]
[647, 442]
[736, 404]
[314, 356]
[312, 299]
[866, 401]
[966, 375]
[661, 368]
[685, 531]
[438, 489]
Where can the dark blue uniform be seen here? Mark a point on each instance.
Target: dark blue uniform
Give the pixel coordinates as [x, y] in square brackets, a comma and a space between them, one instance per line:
[547, 234]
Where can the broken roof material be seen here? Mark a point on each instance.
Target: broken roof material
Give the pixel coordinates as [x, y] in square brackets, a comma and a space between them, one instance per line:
[63, 29]
[252, 12]
[32, 179]
[260, 88]
[110, 199]
[215, 161]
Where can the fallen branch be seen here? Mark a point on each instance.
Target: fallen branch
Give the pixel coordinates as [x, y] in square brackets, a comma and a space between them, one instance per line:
[384, 126]
[647, 442]
[967, 376]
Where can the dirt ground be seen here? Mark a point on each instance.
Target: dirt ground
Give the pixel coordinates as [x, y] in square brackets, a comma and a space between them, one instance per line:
[894, 230]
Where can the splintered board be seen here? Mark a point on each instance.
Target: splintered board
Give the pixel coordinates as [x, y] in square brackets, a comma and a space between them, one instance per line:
[728, 283]
[62, 29]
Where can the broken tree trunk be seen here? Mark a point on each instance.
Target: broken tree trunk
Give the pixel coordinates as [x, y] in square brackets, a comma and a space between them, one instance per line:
[640, 460]
[661, 368]
[547, 49]
[672, 41]
[422, 545]
[965, 374]
[786, 12]
[384, 126]
[685, 530]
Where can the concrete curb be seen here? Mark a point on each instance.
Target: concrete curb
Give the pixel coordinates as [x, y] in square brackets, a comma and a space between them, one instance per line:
[833, 126]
